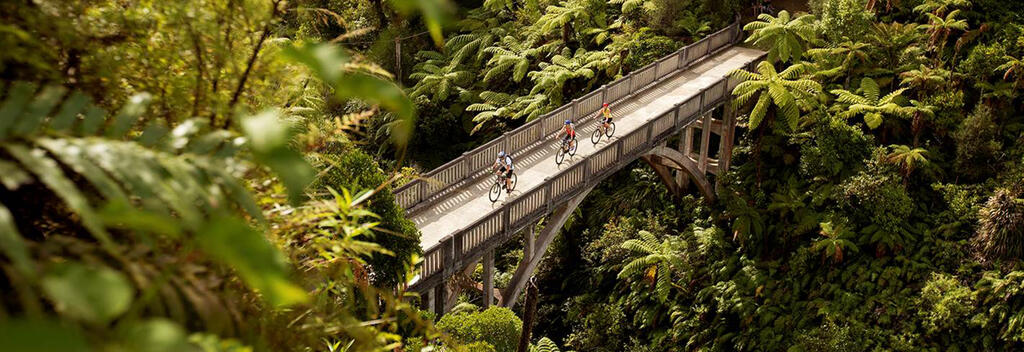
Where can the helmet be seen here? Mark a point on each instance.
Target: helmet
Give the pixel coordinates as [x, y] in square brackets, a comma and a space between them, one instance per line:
[606, 105]
[568, 122]
[501, 154]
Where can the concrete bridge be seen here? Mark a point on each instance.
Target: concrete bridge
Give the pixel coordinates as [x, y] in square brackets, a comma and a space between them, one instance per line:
[684, 94]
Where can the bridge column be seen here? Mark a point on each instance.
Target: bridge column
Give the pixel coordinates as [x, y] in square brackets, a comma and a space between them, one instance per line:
[488, 278]
[437, 301]
[728, 134]
[705, 139]
[526, 267]
[682, 181]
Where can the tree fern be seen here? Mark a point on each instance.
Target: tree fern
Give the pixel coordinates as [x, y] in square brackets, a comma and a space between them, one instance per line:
[784, 91]
[656, 264]
[187, 175]
[784, 37]
[567, 66]
[868, 103]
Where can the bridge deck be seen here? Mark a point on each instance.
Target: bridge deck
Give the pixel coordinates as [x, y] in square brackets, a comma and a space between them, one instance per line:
[470, 203]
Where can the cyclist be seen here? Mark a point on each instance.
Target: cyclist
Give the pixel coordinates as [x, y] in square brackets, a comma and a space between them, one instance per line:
[570, 133]
[607, 112]
[503, 167]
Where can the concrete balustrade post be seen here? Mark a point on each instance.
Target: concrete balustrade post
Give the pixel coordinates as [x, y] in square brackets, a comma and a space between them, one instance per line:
[675, 116]
[421, 192]
[467, 165]
[604, 93]
[575, 106]
[547, 194]
[586, 171]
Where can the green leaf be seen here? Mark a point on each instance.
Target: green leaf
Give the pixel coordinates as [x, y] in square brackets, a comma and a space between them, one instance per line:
[40, 336]
[873, 120]
[129, 114]
[269, 138]
[38, 109]
[327, 61]
[122, 216]
[376, 90]
[435, 14]
[17, 98]
[262, 267]
[92, 294]
[13, 245]
[68, 113]
[47, 170]
[154, 335]
[153, 133]
[94, 117]
[12, 175]
[74, 157]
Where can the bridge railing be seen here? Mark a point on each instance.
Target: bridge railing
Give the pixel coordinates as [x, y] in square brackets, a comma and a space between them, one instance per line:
[468, 244]
[475, 163]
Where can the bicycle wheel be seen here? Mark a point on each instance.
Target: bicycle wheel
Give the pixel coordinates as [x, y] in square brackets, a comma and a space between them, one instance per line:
[596, 136]
[573, 145]
[513, 179]
[495, 192]
[560, 155]
[611, 130]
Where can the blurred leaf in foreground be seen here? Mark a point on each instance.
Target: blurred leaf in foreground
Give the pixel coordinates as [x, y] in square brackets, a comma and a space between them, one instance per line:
[93, 294]
[257, 261]
[269, 139]
[40, 336]
[329, 62]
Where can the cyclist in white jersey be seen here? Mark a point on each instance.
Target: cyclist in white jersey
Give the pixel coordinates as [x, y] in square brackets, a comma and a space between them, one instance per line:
[503, 166]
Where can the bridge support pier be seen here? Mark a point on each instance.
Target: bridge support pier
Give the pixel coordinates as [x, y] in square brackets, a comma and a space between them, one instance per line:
[547, 235]
[488, 278]
[690, 165]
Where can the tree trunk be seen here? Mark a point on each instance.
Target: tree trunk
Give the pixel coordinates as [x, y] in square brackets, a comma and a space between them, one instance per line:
[252, 60]
[528, 315]
[378, 10]
[566, 29]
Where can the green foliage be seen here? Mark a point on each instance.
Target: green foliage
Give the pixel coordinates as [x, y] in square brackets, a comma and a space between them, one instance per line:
[1001, 223]
[565, 68]
[842, 20]
[945, 303]
[977, 144]
[92, 295]
[545, 345]
[867, 101]
[657, 263]
[785, 38]
[350, 168]
[780, 94]
[645, 46]
[833, 152]
[496, 326]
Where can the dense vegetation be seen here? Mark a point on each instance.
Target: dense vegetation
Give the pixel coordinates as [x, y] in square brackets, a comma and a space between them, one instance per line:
[216, 175]
[876, 202]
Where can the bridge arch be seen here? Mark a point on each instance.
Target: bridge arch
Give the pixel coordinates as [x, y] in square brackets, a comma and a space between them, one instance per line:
[663, 158]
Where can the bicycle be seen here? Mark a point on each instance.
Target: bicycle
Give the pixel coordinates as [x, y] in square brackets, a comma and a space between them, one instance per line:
[499, 184]
[596, 135]
[567, 147]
